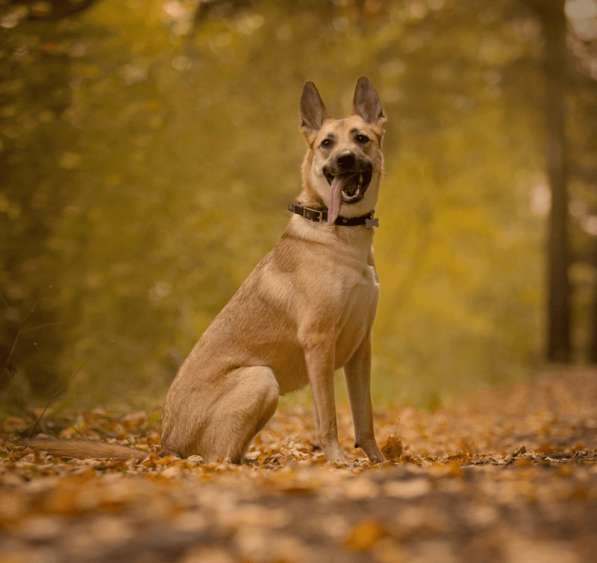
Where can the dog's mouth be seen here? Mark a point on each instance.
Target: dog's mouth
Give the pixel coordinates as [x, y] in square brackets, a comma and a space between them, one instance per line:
[353, 184]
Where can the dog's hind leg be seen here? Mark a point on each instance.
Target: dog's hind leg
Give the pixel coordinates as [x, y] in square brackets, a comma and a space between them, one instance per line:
[239, 414]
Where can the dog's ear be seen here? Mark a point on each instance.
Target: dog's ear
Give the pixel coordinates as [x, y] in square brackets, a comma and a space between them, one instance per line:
[312, 109]
[366, 102]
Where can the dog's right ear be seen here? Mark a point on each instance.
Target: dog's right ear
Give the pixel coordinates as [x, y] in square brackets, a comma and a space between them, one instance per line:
[312, 110]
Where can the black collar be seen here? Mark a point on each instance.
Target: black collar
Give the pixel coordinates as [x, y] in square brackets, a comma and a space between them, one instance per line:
[321, 216]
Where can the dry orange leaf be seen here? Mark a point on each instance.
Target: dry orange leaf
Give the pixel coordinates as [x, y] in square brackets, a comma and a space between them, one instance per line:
[365, 535]
[393, 448]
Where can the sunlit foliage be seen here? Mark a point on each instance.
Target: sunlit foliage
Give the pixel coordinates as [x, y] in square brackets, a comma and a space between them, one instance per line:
[148, 155]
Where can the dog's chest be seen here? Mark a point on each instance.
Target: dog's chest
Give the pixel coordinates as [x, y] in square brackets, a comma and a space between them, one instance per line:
[357, 315]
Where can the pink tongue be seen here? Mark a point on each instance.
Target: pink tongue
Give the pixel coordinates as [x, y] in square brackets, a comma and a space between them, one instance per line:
[335, 199]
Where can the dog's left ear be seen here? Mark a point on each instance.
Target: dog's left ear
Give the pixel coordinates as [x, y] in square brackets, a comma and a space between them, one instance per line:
[366, 102]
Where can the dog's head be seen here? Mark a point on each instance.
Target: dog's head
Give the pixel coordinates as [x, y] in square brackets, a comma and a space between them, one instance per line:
[344, 161]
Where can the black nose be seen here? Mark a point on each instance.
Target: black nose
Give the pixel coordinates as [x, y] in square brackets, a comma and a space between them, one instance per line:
[345, 160]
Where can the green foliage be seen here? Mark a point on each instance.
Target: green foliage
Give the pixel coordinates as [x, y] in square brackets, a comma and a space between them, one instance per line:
[147, 166]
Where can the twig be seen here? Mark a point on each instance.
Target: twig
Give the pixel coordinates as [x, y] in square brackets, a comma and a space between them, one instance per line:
[13, 346]
[40, 326]
[37, 422]
[4, 298]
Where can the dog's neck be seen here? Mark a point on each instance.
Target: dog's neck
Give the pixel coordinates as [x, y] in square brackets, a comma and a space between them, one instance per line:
[356, 241]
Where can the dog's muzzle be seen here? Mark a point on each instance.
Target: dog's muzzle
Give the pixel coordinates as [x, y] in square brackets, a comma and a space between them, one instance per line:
[355, 179]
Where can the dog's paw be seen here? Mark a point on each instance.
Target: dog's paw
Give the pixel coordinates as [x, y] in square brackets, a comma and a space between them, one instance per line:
[373, 453]
[377, 457]
[335, 455]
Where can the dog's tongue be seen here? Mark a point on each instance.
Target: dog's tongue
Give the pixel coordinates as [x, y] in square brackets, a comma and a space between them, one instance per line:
[335, 199]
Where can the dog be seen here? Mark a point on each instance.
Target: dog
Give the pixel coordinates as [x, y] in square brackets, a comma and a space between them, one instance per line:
[306, 310]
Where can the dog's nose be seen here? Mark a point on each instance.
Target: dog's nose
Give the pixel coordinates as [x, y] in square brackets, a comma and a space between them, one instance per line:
[345, 160]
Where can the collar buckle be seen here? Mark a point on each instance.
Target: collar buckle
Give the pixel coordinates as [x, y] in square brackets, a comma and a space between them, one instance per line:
[317, 214]
[310, 213]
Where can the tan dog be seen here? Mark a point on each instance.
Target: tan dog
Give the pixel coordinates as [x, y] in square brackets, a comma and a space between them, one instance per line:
[305, 310]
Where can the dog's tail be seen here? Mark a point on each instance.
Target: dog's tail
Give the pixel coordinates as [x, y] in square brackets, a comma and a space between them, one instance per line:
[83, 449]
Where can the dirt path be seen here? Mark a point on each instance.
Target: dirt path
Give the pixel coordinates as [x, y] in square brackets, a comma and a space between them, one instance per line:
[506, 475]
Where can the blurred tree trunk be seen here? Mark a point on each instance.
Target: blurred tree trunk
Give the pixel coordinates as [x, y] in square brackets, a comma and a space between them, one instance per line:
[27, 261]
[553, 24]
[593, 342]
[30, 344]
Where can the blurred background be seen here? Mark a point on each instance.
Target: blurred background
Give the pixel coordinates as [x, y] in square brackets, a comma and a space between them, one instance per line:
[148, 150]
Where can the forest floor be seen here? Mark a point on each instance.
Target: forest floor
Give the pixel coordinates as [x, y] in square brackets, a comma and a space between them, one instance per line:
[504, 475]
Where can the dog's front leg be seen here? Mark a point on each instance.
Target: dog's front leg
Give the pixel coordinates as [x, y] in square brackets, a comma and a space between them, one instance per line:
[358, 373]
[319, 357]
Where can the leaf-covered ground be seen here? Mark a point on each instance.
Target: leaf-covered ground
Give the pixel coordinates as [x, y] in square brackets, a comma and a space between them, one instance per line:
[504, 475]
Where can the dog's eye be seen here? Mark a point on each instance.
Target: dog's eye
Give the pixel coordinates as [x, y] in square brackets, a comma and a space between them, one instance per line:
[326, 143]
[362, 139]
